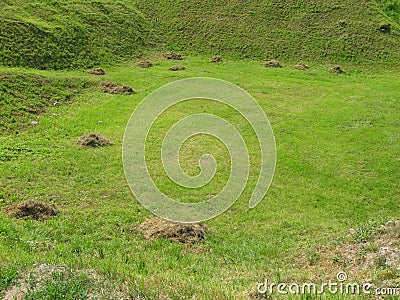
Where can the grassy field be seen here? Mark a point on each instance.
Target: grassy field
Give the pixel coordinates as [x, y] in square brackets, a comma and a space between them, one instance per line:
[338, 159]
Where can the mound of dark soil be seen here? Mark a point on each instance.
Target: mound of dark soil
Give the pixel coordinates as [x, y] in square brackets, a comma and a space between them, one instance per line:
[273, 63]
[178, 232]
[114, 88]
[342, 23]
[97, 72]
[173, 55]
[216, 59]
[336, 69]
[385, 28]
[145, 64]
[93, 140]
[177, 68]
[31, 209]
[301, 66]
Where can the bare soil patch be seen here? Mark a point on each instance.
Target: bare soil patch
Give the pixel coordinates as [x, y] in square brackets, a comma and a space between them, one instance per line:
[301, 66]
[93, 140]
[336, 69]
[178, 232]
[273, 63]
[216, 59]
[173, 55]
[31, 209]
[177, 68]
[98, 71]
[363, 253]
[342, 23]
[96, 286]
[114, 88]
[385, 28]
[145, 64]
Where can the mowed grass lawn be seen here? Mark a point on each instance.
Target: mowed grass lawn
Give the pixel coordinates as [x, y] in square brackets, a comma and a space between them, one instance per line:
[338, 167]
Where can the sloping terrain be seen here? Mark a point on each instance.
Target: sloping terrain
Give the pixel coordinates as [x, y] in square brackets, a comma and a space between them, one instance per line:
[337, 138]
[25, 96]
[391, 8]
[69, 34]
[311, 30]
[72, 34]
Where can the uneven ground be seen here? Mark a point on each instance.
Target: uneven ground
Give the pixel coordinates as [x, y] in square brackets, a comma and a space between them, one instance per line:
[311, 30]
[70, 34]
[338, 168]
[337, 176]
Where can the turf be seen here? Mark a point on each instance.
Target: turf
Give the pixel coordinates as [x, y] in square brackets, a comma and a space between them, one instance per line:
[338, 153]
[74, 34]
[391, 8]
[71, 34]
[317, 31]
[24, 97]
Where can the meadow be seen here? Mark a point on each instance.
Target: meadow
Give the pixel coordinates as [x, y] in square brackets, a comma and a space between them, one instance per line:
[338, 156]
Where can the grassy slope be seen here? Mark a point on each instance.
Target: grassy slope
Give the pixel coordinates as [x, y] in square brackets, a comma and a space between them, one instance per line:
[391, 8]
[309, 30]
[23, 97]
[337, 139]
[68, 34]
[338, 155]
[291, 30]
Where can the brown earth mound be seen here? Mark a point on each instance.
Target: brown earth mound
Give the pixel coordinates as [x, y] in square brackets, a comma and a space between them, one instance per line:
[385, 28]
[178, 232]
[93, 140]
[145, 64]
[273, 63]
[31, 209]
[301, 66]
[173, 55]
[216, 59]
[336, 69]
[114, 88]
[97, 72]
[177, 68]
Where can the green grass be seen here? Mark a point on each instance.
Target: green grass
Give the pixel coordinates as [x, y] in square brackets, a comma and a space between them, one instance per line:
[392, 9]
[61, 286]
[74, 34]
[310, 31]
[8, 277]
[23, 97]
[71, 34]
[337, 141]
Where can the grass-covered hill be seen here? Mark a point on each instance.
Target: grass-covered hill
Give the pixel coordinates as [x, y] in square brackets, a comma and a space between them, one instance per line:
[68, 34]
[313, 30]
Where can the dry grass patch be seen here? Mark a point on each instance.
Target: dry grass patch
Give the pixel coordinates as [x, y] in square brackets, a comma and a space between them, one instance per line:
[178, 232]
[273, 63]
[93, 140]
[31, 209]
[114, 88]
